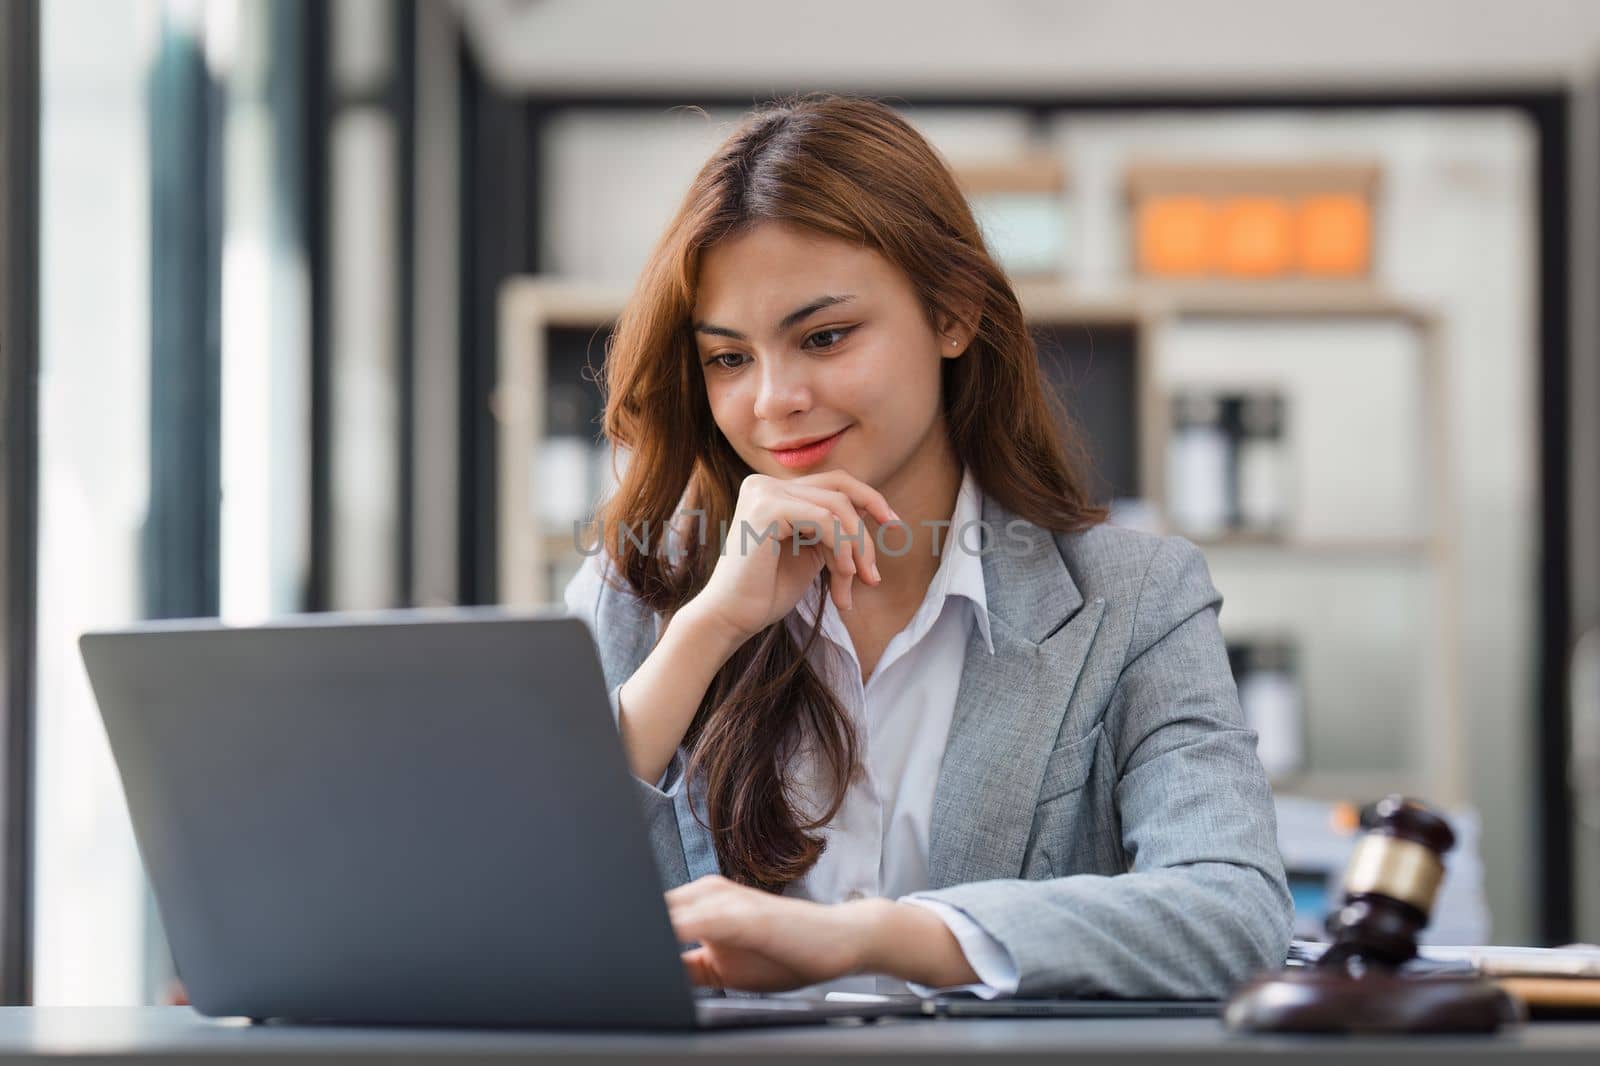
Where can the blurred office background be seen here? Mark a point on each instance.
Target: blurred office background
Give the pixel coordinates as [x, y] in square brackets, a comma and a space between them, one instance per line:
[300, 301]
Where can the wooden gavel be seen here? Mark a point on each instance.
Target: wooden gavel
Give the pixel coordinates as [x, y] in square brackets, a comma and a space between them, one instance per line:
[1389, 886]
[1356, 986]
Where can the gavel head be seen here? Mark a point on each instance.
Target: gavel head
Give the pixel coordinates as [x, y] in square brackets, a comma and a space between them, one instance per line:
[1390, 884]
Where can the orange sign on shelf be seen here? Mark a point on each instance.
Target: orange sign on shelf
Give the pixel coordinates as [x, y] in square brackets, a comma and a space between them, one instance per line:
[1253, 220]
[1335, 236]
[1176, 236]
[1256, 238]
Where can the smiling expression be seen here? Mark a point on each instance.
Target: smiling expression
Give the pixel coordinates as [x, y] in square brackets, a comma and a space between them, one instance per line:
[800, 337]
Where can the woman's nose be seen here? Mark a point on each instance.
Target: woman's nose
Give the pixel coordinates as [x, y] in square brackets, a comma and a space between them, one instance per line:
[782, 391]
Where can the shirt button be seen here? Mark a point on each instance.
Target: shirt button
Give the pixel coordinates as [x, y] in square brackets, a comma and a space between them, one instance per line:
[853, 895]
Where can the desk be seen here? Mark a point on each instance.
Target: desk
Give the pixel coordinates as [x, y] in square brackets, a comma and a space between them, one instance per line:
[151, 1034]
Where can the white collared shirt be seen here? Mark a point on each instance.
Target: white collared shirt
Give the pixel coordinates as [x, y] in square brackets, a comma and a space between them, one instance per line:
[877, 843]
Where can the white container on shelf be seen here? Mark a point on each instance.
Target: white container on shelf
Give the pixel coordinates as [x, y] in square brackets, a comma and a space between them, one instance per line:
[1263, 464]
[1269, 694]
[1199, 461]
[563, 488]
[561, 483]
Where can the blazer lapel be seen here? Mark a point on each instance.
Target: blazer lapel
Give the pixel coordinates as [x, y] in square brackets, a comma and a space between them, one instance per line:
[1009, 705]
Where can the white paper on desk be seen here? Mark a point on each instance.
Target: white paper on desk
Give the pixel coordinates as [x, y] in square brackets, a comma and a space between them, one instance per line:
[1579, 960]
[1498, 961]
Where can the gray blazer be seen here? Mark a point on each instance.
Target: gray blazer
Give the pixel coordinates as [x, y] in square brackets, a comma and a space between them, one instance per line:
[1100, 809]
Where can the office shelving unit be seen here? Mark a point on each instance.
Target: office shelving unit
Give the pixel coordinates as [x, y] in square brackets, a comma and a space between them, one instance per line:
[538, 315]
[1437, 732]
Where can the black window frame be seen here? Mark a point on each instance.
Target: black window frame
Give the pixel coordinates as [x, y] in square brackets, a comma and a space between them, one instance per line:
[19, 481]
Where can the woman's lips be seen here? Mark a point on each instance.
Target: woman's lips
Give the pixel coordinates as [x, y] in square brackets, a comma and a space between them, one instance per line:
[807, 455]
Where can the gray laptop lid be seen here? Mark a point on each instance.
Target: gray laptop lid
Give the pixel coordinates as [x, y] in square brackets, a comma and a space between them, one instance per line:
[411, 816]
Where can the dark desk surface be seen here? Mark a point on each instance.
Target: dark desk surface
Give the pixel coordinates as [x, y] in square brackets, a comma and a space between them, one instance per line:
[136, 1034]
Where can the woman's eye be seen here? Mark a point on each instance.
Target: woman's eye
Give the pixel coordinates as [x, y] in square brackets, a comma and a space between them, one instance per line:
[717, 360]
[838, 333]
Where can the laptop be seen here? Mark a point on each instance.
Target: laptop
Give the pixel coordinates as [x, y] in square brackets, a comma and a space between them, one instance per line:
[418, 817]
[963, 1007]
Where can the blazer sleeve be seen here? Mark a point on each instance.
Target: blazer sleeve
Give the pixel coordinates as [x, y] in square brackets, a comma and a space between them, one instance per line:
[1204, 903]
[618, 624]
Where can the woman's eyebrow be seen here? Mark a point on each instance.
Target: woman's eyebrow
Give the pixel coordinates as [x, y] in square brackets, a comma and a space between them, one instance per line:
[789, 319]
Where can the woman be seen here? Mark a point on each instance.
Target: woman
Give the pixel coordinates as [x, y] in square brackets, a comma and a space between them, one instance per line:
[898, 701]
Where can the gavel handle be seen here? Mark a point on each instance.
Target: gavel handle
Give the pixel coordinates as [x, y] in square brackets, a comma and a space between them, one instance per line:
[1340, 956]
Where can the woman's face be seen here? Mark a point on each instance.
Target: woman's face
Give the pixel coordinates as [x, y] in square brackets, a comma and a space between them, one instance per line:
[802, 336]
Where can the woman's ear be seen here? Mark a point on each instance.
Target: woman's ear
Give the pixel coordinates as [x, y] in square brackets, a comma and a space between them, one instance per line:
[955, 335]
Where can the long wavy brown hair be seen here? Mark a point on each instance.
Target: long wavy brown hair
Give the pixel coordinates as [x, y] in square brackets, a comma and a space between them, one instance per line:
[851, 168]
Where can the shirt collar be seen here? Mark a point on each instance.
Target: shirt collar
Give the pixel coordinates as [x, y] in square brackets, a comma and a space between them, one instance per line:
[960, 572]
[963, 558]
